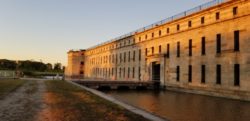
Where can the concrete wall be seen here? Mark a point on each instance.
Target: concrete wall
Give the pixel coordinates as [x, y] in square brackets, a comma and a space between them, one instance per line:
[8, 74]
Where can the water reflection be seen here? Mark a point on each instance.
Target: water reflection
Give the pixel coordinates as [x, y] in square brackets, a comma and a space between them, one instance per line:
[178, 106]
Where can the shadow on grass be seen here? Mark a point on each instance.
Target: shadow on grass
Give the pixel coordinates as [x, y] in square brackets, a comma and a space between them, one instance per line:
[68, 102]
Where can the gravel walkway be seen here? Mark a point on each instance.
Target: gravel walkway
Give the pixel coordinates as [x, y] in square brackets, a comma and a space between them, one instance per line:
[23, 104]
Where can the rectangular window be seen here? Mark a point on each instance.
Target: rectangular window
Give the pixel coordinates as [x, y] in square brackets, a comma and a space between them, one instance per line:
[109, 72]
[168, 50]
[159, 49]
[139, 73]
[203, 74]
[190, 73]
[190, 47]
[146, 51]
[112, 72]
[178, 49]
[203, 46]
[152, 35]
[129, 56]
[133, 75]
[160, 33]
[178, 73]
[236, 40]
[116, 58]
[218, 45]
[128, 72]
[235, 10]
[120, 57]
[153, 49]
[105, 72]
[189, 23]
[237, 75]
[124, 70]
[139, 39]
[146, 37]
[109, 58]
[218, 74]
[202, 20]
[113, 58]
[139, 54]
[134, 55]
[120, 73]
[124, 57]
[101, 60]
[217, 16]
[178, 27]
[167, 30]
[116, 72]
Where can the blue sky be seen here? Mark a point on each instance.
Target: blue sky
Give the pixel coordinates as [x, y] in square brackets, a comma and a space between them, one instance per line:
[44, 30]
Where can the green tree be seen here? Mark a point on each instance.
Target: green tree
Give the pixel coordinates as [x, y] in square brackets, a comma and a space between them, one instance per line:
[32, 66]
[7, 64]
[49, 66]
[58, 67]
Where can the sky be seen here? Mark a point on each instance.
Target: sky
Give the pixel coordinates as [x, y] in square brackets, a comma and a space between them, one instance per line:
[44, 30]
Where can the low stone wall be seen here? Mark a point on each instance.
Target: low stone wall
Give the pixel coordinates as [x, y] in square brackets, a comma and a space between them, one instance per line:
[7, 74]
[230, 94]
[133, 109]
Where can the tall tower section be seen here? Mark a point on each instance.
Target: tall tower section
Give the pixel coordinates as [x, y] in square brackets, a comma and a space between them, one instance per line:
[75, 67]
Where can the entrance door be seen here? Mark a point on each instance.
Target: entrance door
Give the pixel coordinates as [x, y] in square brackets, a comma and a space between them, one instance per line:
[156, 69]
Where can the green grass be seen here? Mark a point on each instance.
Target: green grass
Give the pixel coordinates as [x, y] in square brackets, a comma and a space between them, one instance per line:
[9, 85]
[87, 106]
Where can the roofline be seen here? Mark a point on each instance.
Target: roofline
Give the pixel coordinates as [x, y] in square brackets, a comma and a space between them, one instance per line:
[176, 17]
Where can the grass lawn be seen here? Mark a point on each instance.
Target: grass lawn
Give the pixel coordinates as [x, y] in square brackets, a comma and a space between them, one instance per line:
[71, 103]
[9, 85]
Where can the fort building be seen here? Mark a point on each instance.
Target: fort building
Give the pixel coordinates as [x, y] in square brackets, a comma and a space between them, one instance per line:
[204, 50]
[75, 66]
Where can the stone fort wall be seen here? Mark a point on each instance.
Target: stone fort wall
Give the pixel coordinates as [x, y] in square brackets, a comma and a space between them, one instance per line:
[206, 52]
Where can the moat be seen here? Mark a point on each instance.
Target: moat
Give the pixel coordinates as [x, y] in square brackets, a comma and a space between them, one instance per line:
[178, 106]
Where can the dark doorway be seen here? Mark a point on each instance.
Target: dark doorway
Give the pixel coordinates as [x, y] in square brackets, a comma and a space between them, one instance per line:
[156, 68]
[156, 74]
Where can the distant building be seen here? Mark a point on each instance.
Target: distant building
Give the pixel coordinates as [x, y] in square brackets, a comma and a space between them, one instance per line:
[204, 50]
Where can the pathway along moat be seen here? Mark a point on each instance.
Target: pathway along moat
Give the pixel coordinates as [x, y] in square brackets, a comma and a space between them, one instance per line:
[178, 106]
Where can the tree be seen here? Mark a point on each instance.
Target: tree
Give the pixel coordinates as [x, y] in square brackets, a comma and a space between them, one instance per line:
[7, 64]
[58, 67]
[49, 66]
[31, 66]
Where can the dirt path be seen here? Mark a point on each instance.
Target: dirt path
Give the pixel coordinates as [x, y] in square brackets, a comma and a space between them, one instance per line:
[40, 100]
[24, 103]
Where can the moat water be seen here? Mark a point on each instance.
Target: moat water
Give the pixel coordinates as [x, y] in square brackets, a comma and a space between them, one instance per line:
[179, 106]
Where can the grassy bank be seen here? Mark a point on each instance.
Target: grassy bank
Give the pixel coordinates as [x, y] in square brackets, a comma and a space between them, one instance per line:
[71, 103]
[9, 85]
